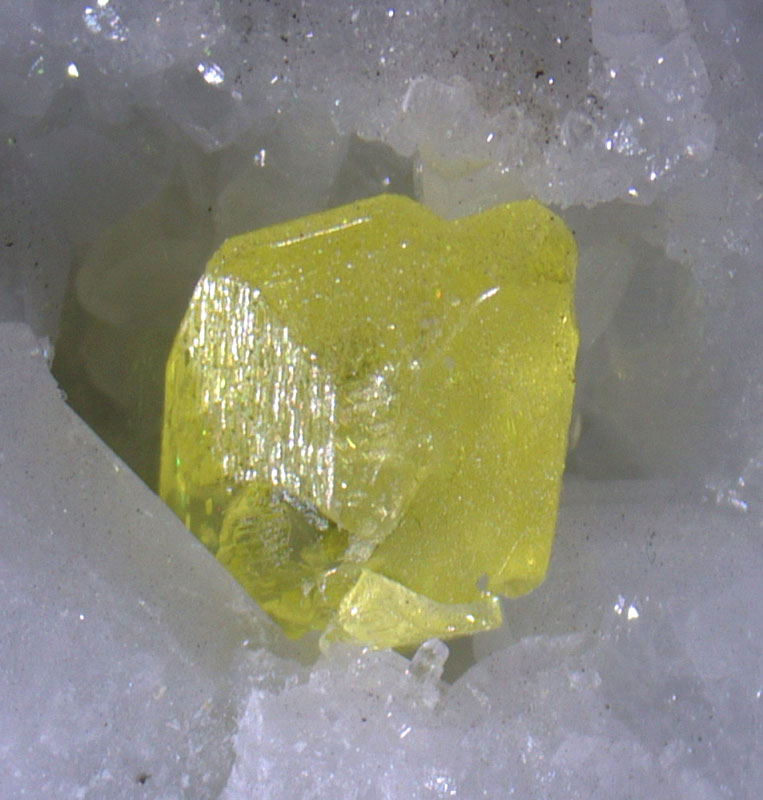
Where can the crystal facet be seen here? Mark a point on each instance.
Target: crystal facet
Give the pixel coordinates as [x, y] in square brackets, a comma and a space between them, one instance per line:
[366, 414]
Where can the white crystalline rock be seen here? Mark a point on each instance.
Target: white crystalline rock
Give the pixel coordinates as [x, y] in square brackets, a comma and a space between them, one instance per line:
[645, 115]
[639, 116]
[122, 640]
[634, 688]
[379, 736]
[134, 137]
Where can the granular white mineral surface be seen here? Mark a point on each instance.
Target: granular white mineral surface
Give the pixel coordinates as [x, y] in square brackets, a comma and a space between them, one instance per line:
[136, 136]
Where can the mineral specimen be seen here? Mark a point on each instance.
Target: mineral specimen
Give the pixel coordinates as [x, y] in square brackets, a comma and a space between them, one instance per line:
[366, 414]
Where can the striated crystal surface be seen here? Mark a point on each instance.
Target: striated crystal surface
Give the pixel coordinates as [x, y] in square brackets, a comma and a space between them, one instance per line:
[366, 414]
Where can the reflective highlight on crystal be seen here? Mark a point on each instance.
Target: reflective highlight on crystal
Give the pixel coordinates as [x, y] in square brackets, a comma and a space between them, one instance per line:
[367, 410]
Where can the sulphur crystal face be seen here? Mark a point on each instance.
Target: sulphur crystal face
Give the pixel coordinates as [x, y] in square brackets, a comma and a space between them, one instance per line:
[366, 414]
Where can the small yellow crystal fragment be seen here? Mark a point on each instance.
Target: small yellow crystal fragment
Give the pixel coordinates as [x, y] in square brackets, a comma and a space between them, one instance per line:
[366, 414]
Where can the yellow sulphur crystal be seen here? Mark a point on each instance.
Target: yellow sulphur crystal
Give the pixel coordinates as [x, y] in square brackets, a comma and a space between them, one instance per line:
[366, 414]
